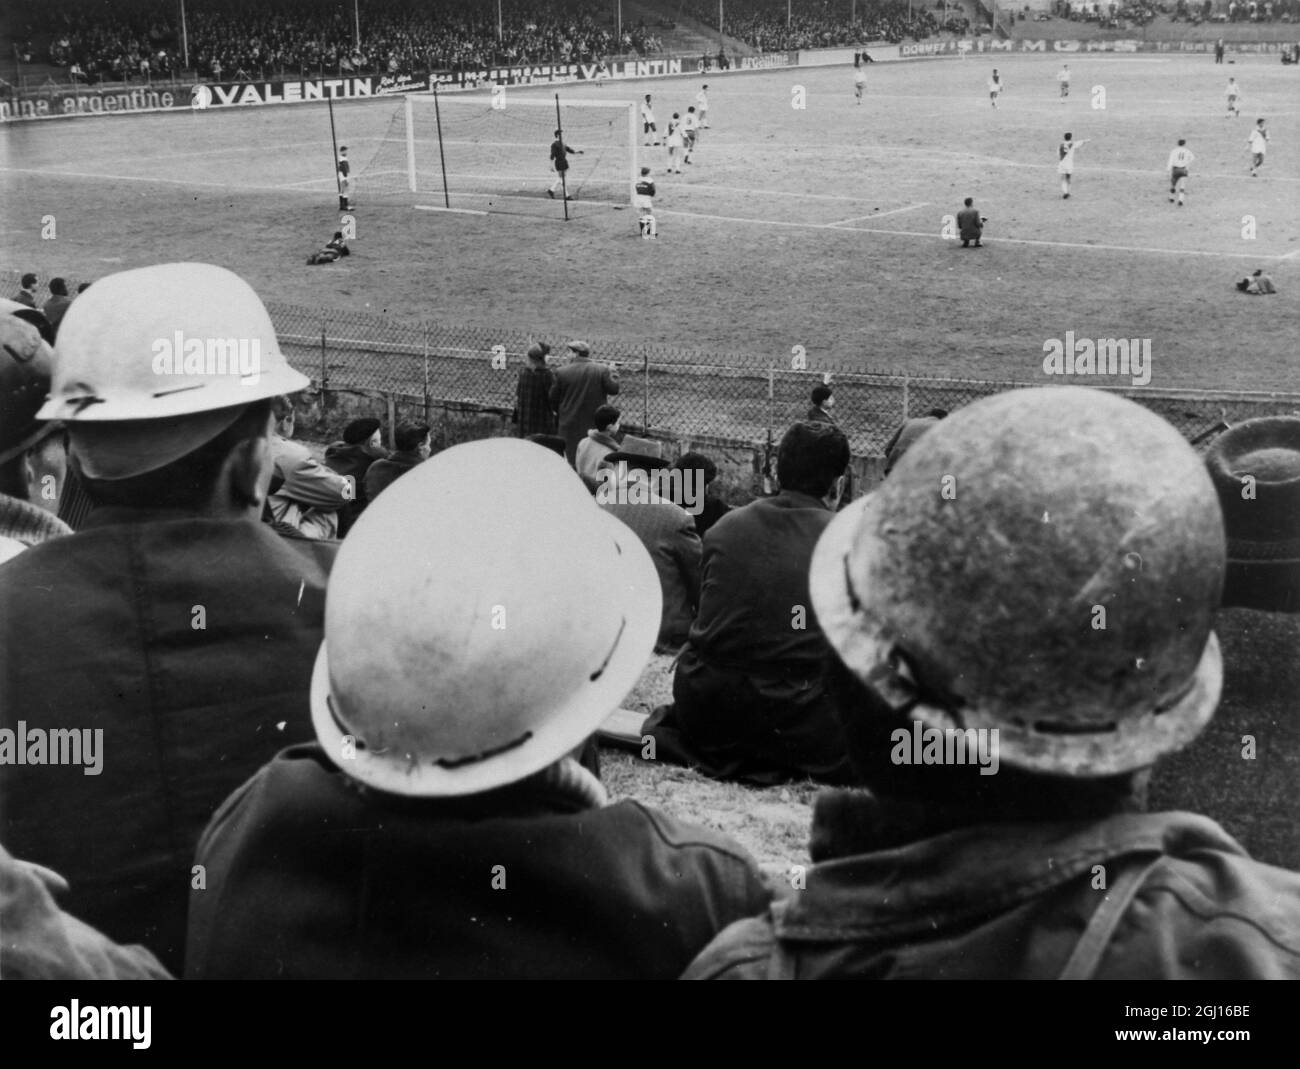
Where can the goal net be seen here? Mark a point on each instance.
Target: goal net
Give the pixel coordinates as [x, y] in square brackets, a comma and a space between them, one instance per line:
[495, 151]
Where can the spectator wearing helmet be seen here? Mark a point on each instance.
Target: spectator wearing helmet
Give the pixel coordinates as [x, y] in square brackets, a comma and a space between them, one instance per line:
[629, 490]
[360, 447]
[822, 402]
[306, 496]
[185, 627]
[57, 303]
[413, 447]
[1255, 468]
[534, 413]
[748, 700]
[1021, 621]
[27, 294]
[601, 440]
[441, 828]
[32, 456]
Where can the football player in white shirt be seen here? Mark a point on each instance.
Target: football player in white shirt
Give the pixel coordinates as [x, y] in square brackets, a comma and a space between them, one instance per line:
[648, 127]
[1258, 143]
[1064, 78]
[1180, 160]
[995, 88]
[702, 106]
[675, 143]
[1066, 167]
[690, 128]
[1233, 93]
[859, 83]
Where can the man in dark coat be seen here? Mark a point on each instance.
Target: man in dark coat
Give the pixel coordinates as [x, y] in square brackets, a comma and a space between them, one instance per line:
[165, 648]
[441, 827]
[580, 388]
[413, 447]
[748, 702]
[970, 225]
[534, 411]
[823, 400]
[361, 446]
[57, 305]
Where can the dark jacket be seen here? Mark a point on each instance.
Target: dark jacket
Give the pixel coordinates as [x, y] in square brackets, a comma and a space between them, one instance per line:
[55, 308]
[383, 473]
[1014, 901]
[580, 388]
[748, 697]
[534, 410]
[817, 414]
[308, 877]
[190, 643]
[969, 224]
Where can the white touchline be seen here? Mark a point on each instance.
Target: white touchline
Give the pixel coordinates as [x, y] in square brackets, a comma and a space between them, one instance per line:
[878, 215]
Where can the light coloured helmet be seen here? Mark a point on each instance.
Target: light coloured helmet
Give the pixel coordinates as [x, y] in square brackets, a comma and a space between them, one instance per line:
[1044, 562]
[483, 617]
[152, 363]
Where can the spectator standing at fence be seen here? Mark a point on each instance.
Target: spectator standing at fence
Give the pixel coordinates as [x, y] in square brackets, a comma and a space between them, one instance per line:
[27, 293]
[534, 411]
[600, 441]
[823, 400]
[441, 827]
[985, 862]
[307, 496]
[186, 628]
[412, 439]
[580, 388]
[748, 702]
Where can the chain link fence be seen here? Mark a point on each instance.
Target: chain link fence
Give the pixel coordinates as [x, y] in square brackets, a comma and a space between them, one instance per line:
[668, 392]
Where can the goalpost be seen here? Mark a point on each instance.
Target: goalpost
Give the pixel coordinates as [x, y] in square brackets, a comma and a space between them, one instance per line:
[494, 152]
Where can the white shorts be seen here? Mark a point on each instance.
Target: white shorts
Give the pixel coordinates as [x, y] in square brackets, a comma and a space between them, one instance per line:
[1065, 168]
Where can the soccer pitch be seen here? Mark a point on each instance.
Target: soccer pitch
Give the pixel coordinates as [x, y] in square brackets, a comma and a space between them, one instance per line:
[818, 226]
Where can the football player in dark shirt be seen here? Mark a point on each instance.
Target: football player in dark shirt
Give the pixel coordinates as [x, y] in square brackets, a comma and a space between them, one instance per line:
[560, 153]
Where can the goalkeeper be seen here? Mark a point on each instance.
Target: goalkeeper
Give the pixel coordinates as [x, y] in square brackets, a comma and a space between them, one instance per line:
[560, 153]
[336, 248]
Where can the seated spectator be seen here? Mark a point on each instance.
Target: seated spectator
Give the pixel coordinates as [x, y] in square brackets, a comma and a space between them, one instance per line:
[534, 413]
[628, 492]
[601, 440]
[907, 434]
[307, 496]
[58, 302]
[705, 474]
[185, 628]
[1255, 467]
[413, 447]
[41, 942]
[361, 446]
[441, 828]
[822, 403]
[748, 701]
[32, 456]
[27, 294]
[1050, 868]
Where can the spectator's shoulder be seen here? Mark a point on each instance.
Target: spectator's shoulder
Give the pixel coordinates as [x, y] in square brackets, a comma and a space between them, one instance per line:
[741, 951]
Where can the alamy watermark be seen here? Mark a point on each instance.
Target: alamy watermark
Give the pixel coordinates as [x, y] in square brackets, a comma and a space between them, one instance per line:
[1102, 356]
[179, 355]
[619, 486]
[925, 745]
[53, 746]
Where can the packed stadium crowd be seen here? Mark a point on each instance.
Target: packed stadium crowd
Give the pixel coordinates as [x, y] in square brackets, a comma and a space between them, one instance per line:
[772, 27]
[240, 40]
[333, 716]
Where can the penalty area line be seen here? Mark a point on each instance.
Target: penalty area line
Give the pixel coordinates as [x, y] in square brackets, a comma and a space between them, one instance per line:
[458, 211]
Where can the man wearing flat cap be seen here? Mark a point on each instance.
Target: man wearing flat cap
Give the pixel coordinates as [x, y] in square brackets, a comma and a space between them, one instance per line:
[534, 410]
[581, 387]
[171, 636]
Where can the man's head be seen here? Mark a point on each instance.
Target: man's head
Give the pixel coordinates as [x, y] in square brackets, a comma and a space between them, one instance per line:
[821, 396]
[647, 98]
[1044, 564]
[1068, 137]
[580, 349]
[698, 462]
[691, 110]
[537, 352]
[29, 280]
[412, 436]
[58, 287]
[338, 235]
[363, 431]
[606, 419]
[969, 201]
[645, 171]
[444, 671]
[812, 459]
[343, 150]
[1259, 122]
[164, 376]
[1182, 141]
[557, 133]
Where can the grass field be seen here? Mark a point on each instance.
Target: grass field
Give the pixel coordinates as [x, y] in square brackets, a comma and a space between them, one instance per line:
[818, 227]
